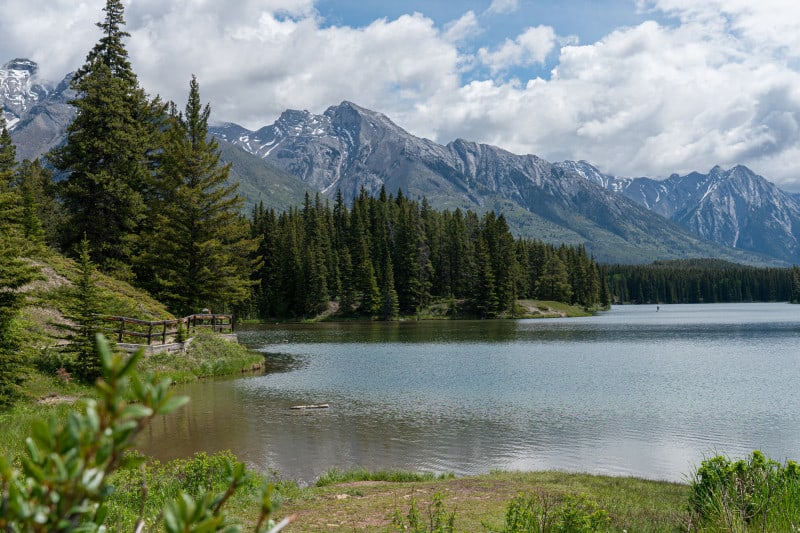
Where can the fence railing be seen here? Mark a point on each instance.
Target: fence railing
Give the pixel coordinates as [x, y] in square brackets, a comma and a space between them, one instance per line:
[126, 328]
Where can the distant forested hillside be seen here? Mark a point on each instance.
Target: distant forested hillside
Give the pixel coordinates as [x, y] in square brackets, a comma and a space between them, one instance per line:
[702, 281]
[391, 256]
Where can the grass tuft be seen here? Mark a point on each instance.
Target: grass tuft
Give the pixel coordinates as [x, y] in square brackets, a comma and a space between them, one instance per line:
[335, 476]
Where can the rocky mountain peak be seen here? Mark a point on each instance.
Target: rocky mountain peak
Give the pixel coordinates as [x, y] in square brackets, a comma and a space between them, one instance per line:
[37, 112]
[293, 118]
[22, 64]
[19, 89]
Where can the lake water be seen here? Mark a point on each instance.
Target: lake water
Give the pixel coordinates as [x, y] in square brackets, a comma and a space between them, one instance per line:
[633, 391]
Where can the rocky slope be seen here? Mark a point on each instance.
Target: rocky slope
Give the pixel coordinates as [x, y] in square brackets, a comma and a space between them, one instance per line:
[349, 147]
[734, 207]
[37, 112]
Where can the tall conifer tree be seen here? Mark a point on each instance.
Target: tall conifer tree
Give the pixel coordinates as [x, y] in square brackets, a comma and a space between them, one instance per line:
[83, 313]
[108, 151]
[198, 252]
[15, 271]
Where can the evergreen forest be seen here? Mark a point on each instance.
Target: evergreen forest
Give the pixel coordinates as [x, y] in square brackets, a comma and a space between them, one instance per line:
[702, 281]
[391, 256]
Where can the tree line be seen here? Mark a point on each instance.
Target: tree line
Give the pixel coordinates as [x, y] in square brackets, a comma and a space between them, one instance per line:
[389, 255]
[702, 281]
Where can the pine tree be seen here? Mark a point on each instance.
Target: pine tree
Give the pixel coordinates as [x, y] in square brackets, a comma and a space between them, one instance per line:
[197, 253]
[390, 304]
[554, 282]
[42, 214]
[108, 152]
[364, 281]
[483, 297]
[11, 209]
[83, 313]
[15, 271]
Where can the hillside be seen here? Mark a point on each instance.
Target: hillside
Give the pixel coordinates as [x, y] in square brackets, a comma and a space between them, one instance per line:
[48, 299]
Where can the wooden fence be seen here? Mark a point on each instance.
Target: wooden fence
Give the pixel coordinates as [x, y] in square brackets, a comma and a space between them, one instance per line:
[125, 328]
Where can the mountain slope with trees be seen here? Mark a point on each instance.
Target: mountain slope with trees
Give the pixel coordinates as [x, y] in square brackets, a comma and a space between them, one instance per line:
[348, 148]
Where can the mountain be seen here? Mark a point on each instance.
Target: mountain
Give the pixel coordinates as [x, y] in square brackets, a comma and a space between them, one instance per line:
[734, 207]
[349, 147]
[37, 112]
[260, 182]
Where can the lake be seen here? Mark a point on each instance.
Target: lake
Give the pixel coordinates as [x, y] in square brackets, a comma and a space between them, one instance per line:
[637, 390]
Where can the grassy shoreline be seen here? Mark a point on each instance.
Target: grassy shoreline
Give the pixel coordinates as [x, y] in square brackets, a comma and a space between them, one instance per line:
[632, 504]
[445, 310]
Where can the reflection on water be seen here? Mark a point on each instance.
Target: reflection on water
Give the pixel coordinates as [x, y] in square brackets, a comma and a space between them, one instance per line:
[632, 391]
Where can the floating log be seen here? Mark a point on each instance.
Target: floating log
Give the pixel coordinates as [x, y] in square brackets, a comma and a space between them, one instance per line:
[312, 406]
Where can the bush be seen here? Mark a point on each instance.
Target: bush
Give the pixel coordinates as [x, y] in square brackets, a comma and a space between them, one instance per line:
[544, 513]
[753, 493]
[438, 520]
[64, 483]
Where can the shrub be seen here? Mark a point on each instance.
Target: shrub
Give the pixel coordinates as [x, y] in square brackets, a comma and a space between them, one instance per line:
[544, 513]
[753, 493]
[437, 521]
[64, 482]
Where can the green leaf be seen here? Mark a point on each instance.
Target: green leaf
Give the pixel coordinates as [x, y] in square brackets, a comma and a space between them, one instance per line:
[42, 434]
[130, 364]
[93, 479]
[136, 411]
[172, 404]
[104, 350]
[33, 450]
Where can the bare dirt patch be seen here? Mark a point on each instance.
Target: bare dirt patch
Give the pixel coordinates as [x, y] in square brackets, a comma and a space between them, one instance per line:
[53, 399]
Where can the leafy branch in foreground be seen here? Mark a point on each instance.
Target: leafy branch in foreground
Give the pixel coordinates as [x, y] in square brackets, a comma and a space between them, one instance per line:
[63, 483]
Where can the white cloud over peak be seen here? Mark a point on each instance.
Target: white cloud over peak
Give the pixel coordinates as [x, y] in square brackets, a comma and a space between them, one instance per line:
[532, 46]
[714, 82]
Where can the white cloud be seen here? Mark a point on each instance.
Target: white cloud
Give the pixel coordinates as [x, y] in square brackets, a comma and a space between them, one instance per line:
[717, 84]
[502, 7]
[463, 28]
[532, 46]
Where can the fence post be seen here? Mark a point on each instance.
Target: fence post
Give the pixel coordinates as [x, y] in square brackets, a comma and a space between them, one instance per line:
[121, 328]
[164, 333]
[149, 333]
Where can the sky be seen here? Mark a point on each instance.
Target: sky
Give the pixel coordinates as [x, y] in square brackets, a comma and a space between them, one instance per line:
[636, 87]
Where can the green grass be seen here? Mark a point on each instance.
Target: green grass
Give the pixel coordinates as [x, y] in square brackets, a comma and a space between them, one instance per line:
[336, 476]
[207, 355]
[632, 504]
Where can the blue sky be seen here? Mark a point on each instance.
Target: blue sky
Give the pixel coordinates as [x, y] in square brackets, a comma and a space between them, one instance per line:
[585, 20]
[637, 87]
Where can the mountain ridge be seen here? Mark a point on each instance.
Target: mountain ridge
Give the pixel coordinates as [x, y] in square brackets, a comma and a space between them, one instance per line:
[349, 147]
[735, 207]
